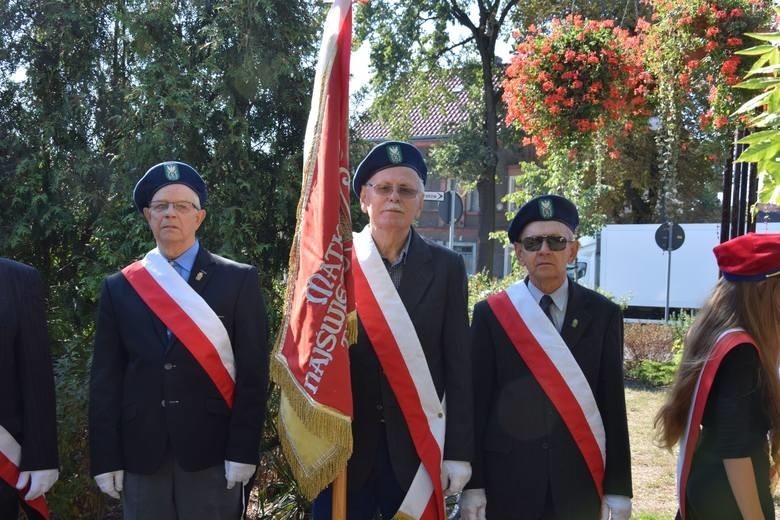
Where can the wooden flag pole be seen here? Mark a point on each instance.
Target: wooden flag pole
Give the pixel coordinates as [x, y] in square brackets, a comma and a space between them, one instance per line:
[339, 494]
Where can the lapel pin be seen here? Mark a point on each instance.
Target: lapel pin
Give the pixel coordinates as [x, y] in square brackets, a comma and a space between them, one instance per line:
[199, 276]
[574, 323]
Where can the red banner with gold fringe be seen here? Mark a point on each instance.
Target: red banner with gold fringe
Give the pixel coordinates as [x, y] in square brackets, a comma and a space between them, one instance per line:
[311, 355]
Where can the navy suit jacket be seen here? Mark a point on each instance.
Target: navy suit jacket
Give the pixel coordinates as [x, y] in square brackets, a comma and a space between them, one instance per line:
[27, 406]
[524, 450]
[148, 394]
[433, 290]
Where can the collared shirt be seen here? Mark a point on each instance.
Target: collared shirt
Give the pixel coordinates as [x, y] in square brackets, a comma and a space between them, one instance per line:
[396, 270]
[560, 299]
[184, 262]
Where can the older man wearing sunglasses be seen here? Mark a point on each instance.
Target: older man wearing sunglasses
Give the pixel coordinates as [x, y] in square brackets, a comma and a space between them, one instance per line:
[551, 430]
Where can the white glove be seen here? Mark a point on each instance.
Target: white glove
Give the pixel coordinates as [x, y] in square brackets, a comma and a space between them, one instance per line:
[615, 507]
[454, 475]
[238, 472]
[472, 504]
[40, 482]
[111, 483]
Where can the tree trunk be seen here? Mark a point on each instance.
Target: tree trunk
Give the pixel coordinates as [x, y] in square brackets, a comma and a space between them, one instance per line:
[486, 183]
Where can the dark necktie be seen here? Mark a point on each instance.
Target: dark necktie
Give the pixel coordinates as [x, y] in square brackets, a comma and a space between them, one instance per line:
[545, 303]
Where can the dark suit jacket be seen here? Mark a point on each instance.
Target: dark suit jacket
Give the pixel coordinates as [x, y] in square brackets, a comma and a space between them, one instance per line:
[524, 449]
[27, 407]
[148, 394]
[433, 290]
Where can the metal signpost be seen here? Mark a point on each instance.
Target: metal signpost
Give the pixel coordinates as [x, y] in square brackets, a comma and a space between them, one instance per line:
[450, 211]
[669, 236]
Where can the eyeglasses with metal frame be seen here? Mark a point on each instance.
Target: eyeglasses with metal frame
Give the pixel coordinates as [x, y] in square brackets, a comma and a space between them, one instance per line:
[554, 242]
[385, 190]
[179, 206]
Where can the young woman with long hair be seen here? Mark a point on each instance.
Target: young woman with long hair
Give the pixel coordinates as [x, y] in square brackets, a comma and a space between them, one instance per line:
[724, 405]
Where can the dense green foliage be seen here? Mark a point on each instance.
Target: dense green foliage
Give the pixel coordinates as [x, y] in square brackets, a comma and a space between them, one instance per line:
[92, 93]
[764, 144]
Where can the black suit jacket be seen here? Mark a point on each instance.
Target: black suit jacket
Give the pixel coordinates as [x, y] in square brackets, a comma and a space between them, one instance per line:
[433, 290]
[148, 393]
[27, 407]
[524, 450]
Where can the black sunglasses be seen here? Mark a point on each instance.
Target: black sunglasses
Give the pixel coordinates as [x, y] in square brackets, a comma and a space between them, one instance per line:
[554, 242]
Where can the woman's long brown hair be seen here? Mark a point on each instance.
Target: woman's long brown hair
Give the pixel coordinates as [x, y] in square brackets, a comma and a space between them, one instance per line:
[754, 306]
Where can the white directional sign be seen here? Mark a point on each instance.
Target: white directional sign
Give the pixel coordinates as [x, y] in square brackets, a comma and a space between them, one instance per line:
[437, 196]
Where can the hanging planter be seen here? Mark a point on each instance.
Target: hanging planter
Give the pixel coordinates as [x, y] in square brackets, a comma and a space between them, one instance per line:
[696, 41]
[579, 81]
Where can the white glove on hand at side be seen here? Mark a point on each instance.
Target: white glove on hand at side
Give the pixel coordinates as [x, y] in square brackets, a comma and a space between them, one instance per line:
[238, 472]
[472, 504]
[111, 483]
[615, 507]
[454, 475]
[40, 480]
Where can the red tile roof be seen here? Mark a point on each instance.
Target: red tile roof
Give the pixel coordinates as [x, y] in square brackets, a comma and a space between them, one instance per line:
[436, 121]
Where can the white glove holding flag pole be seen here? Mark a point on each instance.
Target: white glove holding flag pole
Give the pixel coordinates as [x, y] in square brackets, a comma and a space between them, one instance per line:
[238, 472]
[472, 504]
[615, 507]
[40, 480]
[454, 475]
[111, 483]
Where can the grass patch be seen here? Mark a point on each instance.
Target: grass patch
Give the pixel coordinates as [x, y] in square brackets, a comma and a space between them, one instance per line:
[652, 468]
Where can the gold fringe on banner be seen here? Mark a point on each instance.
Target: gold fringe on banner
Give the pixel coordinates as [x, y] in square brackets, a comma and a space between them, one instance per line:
[352, 328]
[323, 437]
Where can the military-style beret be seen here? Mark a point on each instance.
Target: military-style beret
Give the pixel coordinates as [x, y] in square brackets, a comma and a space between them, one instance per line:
[163, 174]
[544, 207]
[749, 258]
[387, 155]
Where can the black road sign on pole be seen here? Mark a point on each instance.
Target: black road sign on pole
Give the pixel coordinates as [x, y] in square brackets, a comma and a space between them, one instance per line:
[446, 212]
[662, 237]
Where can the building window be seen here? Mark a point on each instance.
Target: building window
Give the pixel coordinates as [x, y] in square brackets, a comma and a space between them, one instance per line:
[473, 202]
[467, 251]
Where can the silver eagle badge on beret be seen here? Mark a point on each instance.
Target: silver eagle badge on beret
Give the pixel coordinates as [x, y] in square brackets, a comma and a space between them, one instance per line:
[394, 154]
[546, 208]
[172, 172]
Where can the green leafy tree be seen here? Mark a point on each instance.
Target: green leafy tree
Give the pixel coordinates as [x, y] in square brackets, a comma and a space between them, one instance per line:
[764, 144]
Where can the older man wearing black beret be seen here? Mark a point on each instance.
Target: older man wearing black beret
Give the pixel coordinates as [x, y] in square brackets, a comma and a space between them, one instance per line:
[410, 447]
[179, 373]
[551, 429]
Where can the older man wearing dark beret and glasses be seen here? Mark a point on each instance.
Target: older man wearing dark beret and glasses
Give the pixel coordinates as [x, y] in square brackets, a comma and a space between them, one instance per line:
[179, 373]
[411, 448]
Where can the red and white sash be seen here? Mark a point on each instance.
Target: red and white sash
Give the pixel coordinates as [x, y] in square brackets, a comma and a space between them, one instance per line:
[400, 353]
[555, 369]
[10, 457]
[723, 345]
[187, 316]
